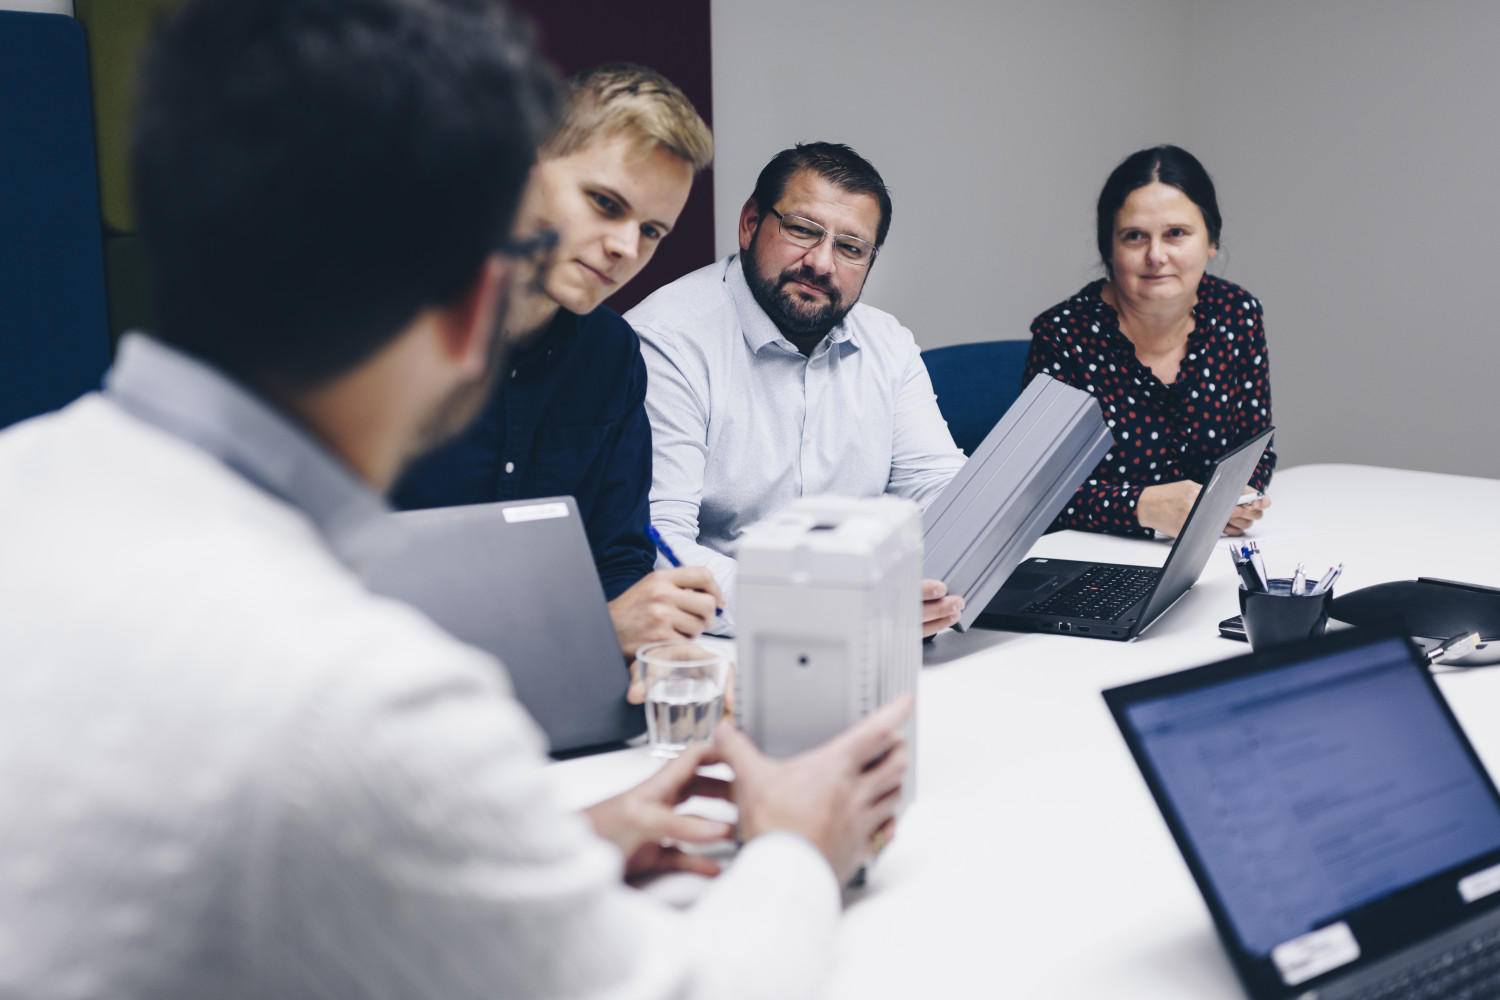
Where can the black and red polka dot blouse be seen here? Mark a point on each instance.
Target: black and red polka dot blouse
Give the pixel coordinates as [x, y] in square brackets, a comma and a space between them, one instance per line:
[1163, 433]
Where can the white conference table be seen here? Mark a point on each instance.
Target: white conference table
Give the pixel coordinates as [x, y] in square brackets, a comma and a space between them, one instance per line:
[1034, 862]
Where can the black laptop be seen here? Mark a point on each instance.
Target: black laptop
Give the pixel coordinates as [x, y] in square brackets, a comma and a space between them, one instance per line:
[1338, 823]
[1111, 601]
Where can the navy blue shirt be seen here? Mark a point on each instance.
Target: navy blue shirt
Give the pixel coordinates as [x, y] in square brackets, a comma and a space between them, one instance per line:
[567, 417]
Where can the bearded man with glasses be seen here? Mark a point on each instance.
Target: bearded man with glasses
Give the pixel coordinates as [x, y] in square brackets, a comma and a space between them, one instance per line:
[769, 381]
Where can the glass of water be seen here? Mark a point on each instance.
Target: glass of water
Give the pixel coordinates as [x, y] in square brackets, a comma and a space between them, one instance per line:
[684, 694]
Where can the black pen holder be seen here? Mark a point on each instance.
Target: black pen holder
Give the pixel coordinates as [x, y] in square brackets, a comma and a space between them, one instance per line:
[1276, 615]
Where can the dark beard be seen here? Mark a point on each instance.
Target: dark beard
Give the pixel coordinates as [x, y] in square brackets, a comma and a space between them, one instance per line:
[796, 320]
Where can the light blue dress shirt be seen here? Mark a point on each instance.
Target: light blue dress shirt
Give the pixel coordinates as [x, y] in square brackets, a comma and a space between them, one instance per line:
[197, 403]
[742, 423]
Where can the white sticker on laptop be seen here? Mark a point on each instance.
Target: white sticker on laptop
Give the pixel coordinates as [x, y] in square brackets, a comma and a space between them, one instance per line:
[535, 512]
[1303, 958]
[1480, 884]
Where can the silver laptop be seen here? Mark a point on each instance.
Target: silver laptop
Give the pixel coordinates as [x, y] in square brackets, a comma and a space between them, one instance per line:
[517, 579]
[1023, 472]
[1340, 826]
[1112, 601]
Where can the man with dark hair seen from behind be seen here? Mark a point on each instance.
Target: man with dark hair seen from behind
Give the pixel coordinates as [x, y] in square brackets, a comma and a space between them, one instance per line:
[242, 774]
[770, 381]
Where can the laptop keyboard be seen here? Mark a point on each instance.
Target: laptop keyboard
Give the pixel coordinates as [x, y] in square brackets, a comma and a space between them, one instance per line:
[1470, 971]
[1101, 593]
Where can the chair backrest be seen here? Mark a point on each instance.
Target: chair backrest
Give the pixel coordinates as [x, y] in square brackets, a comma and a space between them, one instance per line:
[975, 385]
[54, 331]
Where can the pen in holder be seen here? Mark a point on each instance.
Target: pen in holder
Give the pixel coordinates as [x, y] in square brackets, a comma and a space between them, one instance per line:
[1277, 615]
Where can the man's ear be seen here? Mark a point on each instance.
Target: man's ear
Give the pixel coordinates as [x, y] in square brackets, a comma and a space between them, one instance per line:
[749, 220]
[471, 321]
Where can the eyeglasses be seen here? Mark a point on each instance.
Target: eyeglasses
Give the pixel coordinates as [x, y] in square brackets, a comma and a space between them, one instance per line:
[529, 248]
[807, 233]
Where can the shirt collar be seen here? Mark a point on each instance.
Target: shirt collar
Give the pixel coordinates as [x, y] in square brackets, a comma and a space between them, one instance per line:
[548, 347]
[1092, 296]
[193, 401]
[758, 328]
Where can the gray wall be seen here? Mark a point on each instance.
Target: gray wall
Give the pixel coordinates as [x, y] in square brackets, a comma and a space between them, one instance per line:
[1357, 148]
[1355, 143]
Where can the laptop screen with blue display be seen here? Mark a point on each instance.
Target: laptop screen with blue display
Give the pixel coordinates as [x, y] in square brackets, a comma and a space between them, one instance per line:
[1341, 828]
[1314, 789]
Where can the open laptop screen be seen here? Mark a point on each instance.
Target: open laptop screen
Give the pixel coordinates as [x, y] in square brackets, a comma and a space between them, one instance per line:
[1311, 788]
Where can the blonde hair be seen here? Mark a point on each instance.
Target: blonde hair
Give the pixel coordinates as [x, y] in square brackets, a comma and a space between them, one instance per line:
[622, 97]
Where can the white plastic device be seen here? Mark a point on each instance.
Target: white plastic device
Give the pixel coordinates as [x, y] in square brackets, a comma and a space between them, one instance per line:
[828, 619]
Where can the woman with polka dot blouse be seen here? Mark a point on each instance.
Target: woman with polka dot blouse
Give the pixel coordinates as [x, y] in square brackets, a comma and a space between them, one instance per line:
[1176, 357]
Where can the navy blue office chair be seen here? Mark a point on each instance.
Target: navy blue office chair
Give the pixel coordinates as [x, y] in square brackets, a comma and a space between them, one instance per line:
[975, 385]
[54, 328]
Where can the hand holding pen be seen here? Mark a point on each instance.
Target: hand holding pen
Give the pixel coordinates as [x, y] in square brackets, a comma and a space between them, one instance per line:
[1252, 504]
[671, 557]
[677, 603]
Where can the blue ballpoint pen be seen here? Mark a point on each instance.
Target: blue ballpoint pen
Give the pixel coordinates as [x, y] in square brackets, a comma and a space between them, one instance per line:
[1252, 566]
[666, 550]
[1244, 569]
[661, 545]
[1260, 567]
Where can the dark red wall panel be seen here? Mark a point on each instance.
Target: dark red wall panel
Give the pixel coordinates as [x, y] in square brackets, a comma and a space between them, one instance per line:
[672, 37]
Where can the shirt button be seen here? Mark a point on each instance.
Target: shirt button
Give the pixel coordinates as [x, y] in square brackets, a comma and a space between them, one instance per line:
[510, 467]
[514, 372]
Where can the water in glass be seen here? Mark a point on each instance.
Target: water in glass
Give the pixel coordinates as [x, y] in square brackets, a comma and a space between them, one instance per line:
[680, 709]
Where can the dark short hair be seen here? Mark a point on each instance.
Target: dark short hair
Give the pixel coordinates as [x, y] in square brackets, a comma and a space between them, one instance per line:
[1171, 165]
[837, 164]
[310, 174]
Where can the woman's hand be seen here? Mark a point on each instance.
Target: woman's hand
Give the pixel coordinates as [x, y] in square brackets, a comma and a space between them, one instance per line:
[1246, 515]
[1165, 508]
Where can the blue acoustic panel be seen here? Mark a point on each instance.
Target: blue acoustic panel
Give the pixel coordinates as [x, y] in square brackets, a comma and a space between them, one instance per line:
[54, 331]
[975, 385]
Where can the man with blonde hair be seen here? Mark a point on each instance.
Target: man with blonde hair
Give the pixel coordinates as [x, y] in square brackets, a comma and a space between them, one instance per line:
[622, 97]
[568, 416]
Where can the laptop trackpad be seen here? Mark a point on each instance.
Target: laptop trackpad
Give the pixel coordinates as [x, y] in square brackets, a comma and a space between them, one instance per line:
[1030, 580]
[1026, 585]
